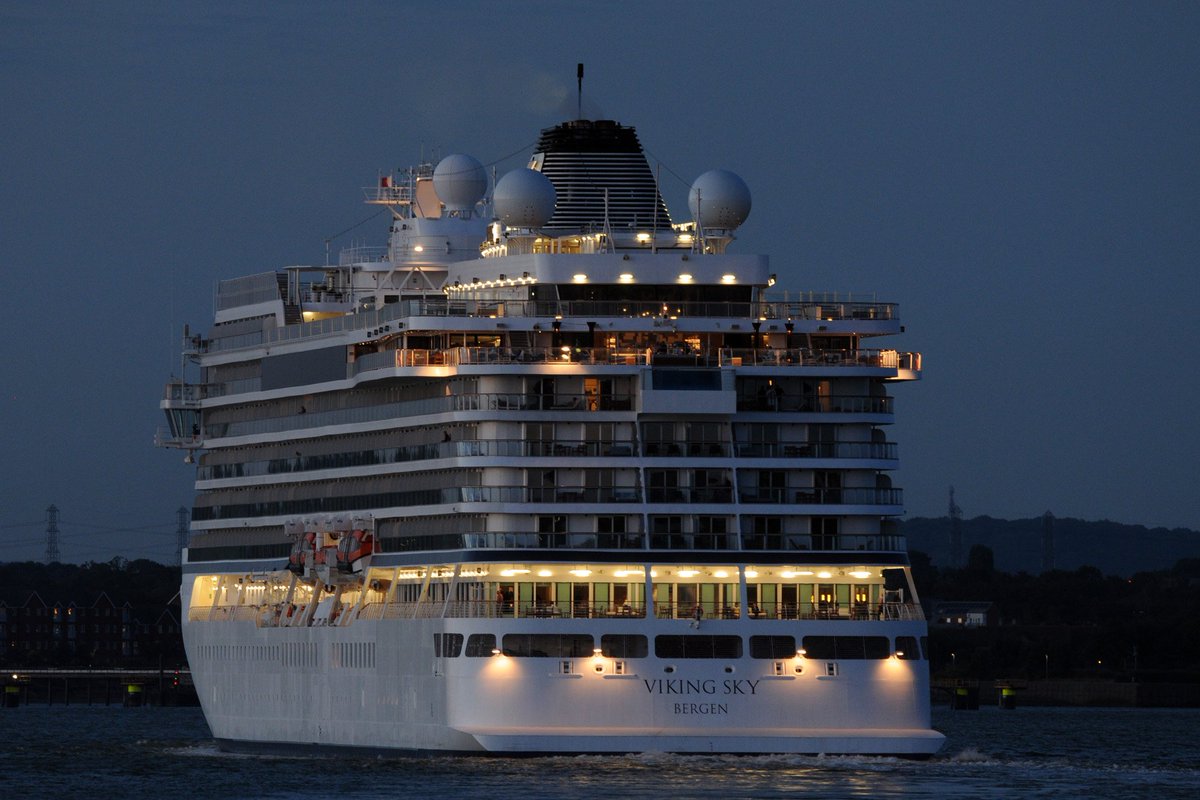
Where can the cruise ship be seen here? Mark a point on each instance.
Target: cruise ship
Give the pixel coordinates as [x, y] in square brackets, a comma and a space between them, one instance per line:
[550, 471]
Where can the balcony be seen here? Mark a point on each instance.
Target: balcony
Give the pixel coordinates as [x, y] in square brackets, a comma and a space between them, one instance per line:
[603, 356]
[855, 496]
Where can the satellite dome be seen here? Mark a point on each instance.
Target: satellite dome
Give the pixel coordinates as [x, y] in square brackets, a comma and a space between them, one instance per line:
[719, 199]
[460, 182]
[524, 198]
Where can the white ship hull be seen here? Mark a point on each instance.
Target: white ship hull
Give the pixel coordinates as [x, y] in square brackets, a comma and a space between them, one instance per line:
[378, 685]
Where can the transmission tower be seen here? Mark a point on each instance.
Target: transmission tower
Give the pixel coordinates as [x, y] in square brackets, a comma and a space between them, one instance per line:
[955, 532]
[52, 553]
[181, 532]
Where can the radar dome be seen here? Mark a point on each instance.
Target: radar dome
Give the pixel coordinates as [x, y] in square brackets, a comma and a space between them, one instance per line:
[460, 182]
[719, 199]
[524, 198]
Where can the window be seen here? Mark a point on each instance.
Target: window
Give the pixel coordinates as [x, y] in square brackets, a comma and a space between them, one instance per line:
[550, 530]
[906, 648]
[772, 646]
[620, 645]
[448, 645]
[847, 647]
[666, 532]
[698, 646]
[548, 645]
[710, 532]
[766, 533]
[664, 486]
[828, 485]
[481, 645]
[610, 531]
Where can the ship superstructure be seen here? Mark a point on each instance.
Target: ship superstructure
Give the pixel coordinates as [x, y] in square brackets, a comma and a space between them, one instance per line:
[550, 472]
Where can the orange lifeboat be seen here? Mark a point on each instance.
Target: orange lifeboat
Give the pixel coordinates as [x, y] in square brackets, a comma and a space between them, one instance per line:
[353, 546]
[301, 551]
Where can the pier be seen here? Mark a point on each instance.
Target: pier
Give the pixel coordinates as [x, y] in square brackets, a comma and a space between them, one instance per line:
[123, 687]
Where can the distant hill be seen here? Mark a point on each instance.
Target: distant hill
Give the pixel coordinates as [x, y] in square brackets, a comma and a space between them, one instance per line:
[1111, 547]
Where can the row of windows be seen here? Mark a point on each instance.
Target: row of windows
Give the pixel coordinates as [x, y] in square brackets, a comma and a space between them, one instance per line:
[582, 645]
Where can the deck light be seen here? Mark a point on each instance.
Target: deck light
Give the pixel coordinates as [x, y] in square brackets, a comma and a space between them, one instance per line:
[579, 277]
[495, 651]
[728, 278]
[625, 277]
[685, 277]
[581, 573]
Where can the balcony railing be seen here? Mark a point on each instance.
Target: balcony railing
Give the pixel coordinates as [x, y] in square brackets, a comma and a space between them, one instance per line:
[525, 448]
[857, 496]
[265, 287]
[724, 357]
[858, 450]
[532, 540]
[281, 615]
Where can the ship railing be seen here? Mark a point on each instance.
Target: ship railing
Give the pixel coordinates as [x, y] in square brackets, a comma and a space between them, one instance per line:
[549, 448]
[466, 448]
[371, 611]
[361, 255]
[186, 395]
[828, 309]
[549, 494]
[661, 356]
[814, 404]
[261, 288]
[275, 615]
[859, 495]
[499, 609]
[901, 611]
[813, 357]
[859, 450]
[682, 542]
[831, 543]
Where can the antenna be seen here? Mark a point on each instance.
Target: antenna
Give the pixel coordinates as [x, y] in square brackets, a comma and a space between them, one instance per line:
[52, 554]
[579, 76]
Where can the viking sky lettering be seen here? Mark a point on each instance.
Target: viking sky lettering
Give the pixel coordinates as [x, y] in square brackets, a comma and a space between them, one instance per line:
[681, 686]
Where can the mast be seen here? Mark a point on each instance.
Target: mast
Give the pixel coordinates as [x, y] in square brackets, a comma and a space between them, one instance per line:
[579, 100]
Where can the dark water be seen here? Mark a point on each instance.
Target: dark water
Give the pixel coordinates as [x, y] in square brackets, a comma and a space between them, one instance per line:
[99, 752]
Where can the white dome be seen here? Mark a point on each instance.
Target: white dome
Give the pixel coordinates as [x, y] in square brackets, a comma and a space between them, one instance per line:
[719, 199]
[460, 182]
[524, 198]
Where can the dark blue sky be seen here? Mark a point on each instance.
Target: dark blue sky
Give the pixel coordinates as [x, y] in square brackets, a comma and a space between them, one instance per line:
[1023, 178]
